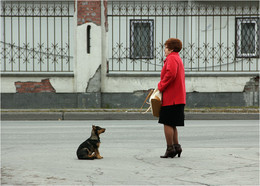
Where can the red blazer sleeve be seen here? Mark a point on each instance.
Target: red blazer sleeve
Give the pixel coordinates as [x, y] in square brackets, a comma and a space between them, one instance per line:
[170, 72]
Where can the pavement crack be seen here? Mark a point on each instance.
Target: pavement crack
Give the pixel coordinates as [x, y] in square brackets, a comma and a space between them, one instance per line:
[137, 157]
[192, 182]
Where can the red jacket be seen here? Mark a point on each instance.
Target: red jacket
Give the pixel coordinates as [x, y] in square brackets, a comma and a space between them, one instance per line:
[172, 84]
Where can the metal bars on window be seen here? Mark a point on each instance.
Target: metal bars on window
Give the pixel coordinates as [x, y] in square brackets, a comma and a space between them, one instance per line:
[36, 36]
[141, 34]
[210, 31]
[247, 37]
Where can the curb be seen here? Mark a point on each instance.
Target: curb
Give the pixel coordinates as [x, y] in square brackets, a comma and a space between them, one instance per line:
[27, 116]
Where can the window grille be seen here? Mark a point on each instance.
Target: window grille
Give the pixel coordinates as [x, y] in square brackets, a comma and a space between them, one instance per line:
[247, 42]
[141, 39]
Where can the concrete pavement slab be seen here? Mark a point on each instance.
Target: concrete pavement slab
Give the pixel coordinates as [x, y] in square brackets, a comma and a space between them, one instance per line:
[214, 153]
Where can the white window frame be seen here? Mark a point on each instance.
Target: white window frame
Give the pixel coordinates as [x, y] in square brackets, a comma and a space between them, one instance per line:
[132, 22]
[239, 22]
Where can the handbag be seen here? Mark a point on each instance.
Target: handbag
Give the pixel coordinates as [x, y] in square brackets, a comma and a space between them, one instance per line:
[155, 102]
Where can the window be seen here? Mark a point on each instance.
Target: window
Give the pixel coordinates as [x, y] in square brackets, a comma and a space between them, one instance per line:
[141, 33]
[247, 37]
[88, 39]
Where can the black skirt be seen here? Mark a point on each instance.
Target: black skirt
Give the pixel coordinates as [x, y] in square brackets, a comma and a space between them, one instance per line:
[172, 115]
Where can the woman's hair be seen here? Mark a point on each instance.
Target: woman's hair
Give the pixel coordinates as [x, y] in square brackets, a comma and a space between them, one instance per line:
[173, 44]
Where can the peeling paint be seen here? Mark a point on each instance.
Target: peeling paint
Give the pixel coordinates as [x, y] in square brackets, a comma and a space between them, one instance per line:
[251, 89]
[94, 83]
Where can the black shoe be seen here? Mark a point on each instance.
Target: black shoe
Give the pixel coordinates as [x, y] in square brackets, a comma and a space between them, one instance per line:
[170, 152]
[178, 149]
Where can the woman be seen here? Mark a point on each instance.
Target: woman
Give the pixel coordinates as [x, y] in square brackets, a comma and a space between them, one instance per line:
[172, 86]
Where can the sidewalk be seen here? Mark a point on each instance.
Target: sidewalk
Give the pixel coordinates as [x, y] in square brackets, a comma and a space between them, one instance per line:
[126, 114]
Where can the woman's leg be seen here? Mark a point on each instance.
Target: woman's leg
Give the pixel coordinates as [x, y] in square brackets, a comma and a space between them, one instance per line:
[176, 145]
[175, 136]
[169, 133]
[170, 151]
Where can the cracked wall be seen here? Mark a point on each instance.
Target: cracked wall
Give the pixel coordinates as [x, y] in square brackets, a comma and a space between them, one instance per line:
[34, 87]
[251, 92]
[94, 83]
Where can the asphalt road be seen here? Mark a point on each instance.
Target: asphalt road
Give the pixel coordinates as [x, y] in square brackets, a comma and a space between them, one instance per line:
[215, 152]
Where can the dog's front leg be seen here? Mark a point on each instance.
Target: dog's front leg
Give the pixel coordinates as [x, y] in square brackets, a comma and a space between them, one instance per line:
[97, 155]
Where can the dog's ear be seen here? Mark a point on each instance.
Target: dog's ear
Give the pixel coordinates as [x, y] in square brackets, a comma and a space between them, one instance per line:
[93, 127]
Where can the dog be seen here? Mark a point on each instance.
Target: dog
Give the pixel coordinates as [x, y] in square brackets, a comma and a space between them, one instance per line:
[88, 150]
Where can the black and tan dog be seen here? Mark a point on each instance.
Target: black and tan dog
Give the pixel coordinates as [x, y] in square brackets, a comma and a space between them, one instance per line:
[88, 150]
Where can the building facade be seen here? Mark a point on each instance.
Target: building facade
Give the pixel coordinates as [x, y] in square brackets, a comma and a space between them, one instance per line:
[109, 53]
